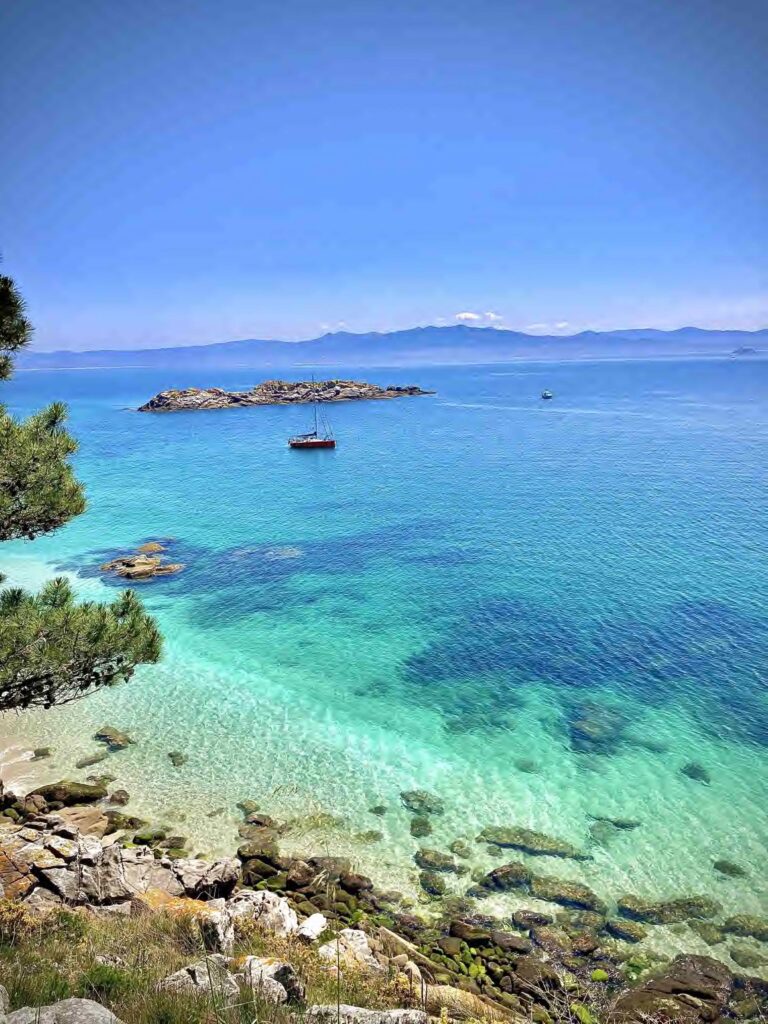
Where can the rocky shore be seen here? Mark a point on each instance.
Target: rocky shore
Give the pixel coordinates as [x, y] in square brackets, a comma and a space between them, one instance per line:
[275, 392]
[71, 845]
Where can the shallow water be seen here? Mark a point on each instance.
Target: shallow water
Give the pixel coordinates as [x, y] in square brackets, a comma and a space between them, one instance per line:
[441, 599]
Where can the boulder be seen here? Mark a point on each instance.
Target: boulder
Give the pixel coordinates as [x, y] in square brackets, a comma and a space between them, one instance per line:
[116, 874]
[89, 820]
[312, 928]
[527, 919]
[514, 875]
[350, 946]
[68, 1011]
[667, 911]
[202, 879]
[256, 971]
[535, 843]
[566, 893]
[345, 1014]
[269, 911]
[421, 826]
[747, 958]
[692, 989]
[355, 883]
[68, 793]
[458, 1004]
[208, 977]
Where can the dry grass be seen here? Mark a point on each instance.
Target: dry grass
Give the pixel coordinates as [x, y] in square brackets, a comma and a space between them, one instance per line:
[118, 961]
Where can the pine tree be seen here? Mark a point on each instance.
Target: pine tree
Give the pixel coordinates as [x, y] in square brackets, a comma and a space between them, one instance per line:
[52, 648]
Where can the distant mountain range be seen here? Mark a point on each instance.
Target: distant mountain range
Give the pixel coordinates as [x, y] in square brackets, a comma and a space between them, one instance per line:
[418, 345]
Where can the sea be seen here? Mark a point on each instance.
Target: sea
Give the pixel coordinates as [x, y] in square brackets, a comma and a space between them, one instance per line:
[549, 614]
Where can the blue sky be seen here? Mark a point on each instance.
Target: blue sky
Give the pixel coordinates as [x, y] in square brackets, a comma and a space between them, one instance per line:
[183, 172]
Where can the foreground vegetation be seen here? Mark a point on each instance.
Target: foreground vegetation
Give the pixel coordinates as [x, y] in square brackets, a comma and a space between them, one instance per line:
[118, 961]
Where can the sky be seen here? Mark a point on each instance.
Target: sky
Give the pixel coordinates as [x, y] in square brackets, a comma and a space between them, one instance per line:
[188, 171]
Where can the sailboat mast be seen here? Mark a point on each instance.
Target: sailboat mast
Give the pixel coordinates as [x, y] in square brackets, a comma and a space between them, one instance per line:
[314, 397]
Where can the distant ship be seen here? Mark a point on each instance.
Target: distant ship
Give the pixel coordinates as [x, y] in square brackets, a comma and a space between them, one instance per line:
[320, 437]
[547, 394]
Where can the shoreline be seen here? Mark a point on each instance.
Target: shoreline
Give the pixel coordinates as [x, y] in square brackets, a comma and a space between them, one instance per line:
[663, 940]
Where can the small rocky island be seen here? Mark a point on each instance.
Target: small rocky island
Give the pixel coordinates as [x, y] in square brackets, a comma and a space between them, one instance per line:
[275, 392]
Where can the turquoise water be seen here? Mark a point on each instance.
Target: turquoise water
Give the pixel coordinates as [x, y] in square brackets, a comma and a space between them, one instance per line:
[438, 604]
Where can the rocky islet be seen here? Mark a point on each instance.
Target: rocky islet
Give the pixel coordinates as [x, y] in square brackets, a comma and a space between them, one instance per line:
[275, 392]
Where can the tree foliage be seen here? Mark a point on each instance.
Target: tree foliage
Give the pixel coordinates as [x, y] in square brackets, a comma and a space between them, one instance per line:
[38, 490]
[52, 648]
[15, 328]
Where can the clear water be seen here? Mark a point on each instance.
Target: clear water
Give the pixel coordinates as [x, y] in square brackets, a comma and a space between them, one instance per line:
[436, 602]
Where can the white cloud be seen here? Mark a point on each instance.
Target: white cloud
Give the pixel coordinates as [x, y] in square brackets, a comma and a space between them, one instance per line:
[494, 317]
[536, 327]
[468, 317]
[561, 324]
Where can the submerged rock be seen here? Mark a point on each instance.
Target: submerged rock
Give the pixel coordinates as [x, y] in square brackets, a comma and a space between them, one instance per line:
[433, 883]
[418, 801]
[728, 868]
[627, 931]
[115, 739]
[747, 925]
[461, 848]
[528, 841]
[693, 770]
[747, 958]
[514, 875]
[434, 860]
[177, 759]
[566, 893]
[667, 911]
[711, 933]
[421, 826]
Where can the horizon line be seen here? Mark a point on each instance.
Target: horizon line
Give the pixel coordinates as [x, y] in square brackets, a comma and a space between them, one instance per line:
[402, 330]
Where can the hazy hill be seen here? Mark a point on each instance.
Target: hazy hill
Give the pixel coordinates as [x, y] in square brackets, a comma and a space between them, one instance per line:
[459, 344]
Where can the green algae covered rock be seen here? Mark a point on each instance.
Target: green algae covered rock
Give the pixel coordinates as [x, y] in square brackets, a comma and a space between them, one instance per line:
[566, 893]
[536, 843]
[748, 926]
[627, 931]
[514, 875]
[434, 860]
[668, 911]
[432, 883]
[70, 793]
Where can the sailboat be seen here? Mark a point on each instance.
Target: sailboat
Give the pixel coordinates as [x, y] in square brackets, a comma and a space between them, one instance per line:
[321, 436]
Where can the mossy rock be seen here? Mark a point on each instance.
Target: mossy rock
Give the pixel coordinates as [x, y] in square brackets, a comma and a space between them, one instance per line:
[537, 844]
[149, 836]
[378, 809]
[599, 975]
[668, 911]
[68, 794]
[627, 931]
[434, 860]
[432, 883]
